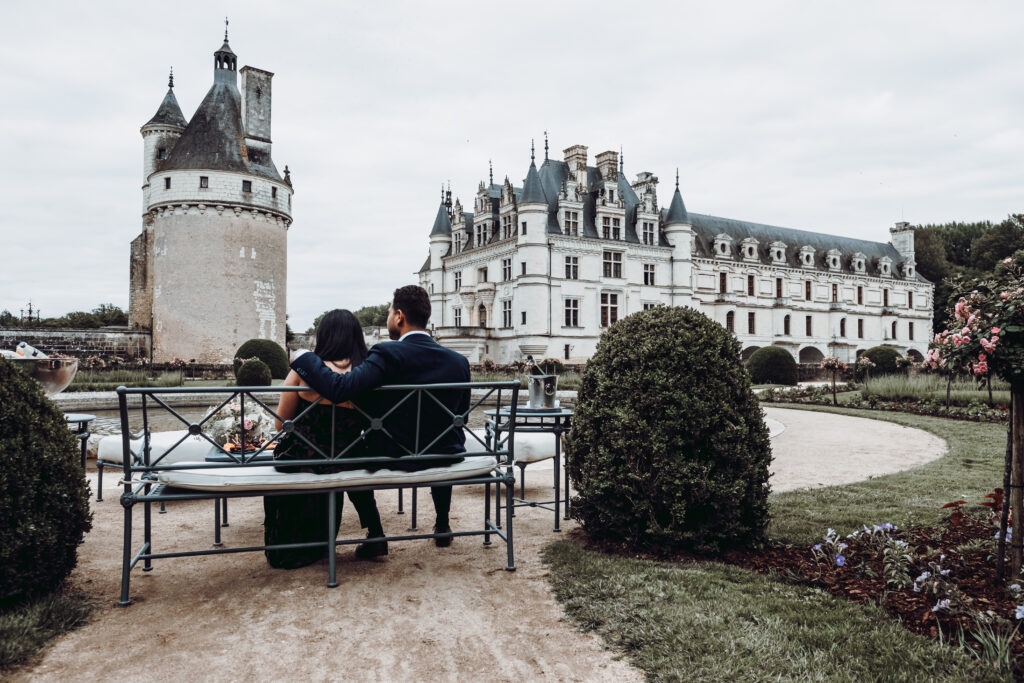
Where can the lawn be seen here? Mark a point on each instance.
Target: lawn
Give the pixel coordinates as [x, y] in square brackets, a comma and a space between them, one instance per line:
[27, 627]
[711, 621]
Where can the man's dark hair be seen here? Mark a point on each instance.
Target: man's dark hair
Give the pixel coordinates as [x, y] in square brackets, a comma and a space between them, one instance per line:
[414, 302]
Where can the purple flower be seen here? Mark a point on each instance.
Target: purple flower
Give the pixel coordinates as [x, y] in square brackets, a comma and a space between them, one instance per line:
[943, 605]
[817, 547]
[840, 560]
[1020, 612]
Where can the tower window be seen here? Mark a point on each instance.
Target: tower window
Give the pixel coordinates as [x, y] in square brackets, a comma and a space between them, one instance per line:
[273, 193]
[785, 326]
[204, 181]
[751, 318]
[161, 153]
[750, 285]
[246, 186]
[167, 183]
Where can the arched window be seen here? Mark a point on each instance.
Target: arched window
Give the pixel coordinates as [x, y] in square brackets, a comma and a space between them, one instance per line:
[893, 329]
[482, 314]
[842, 327]
[730, 321]
[785, 326]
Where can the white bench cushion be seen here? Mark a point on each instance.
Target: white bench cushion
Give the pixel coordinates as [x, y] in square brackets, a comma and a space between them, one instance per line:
[267, 478]
[529, 447]
[191, 449]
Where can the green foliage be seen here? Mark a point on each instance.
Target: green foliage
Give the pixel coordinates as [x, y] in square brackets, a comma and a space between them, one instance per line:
[268, 351]
[997, 243]
[930, 254]
[44, 496]
[9, 320]
[668, 448]
[110, 379]
[772, 365]
[109, 314]
[373, 316]
[82, 320]
[253, 373]
[28, 626]
[885, 360]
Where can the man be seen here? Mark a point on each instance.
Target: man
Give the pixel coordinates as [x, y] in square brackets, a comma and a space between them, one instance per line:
[413, 358]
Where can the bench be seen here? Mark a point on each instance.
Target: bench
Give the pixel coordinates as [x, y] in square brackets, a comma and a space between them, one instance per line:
[159, 475]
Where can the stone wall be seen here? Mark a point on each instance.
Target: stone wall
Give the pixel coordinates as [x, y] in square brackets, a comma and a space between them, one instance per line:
[81, 343]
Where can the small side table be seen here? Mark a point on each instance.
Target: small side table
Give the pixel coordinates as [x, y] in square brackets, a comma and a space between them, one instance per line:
[81, 426]
[556, 421]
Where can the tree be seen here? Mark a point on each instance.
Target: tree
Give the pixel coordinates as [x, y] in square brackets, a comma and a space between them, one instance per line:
[930, 254]
[373, 316]
[998, 242]
[82, 321]
[109, 314]
[8, 319]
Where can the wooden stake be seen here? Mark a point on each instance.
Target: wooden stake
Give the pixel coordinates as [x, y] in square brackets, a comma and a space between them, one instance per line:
[1017, 482]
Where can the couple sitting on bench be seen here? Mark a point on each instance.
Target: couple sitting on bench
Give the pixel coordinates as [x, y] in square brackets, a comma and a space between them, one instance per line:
[343, 372]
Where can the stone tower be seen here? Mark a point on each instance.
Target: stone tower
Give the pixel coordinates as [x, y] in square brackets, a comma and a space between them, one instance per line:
[209, 269]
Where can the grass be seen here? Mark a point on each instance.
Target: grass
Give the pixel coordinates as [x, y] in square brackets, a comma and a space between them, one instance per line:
[26, 628]
[709, 621]
[933, 388]
[714, 622]
[109, 380]
[567, 381]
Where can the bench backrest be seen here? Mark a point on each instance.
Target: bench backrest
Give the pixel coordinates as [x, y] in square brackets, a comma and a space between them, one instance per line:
[409, 423]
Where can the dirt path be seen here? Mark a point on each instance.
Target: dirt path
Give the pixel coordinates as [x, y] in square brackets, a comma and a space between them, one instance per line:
[426, 613]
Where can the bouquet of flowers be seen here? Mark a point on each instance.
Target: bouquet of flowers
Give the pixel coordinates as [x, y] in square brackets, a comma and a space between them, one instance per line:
[227, 426]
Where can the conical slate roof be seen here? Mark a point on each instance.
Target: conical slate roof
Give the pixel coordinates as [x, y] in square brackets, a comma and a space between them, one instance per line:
[169, 113]
[677, 210]
[532, 191]
[443, 223]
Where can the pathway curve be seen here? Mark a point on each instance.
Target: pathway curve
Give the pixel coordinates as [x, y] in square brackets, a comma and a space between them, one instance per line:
[425, 612]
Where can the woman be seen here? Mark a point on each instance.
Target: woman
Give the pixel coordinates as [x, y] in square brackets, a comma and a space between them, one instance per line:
[303, 518]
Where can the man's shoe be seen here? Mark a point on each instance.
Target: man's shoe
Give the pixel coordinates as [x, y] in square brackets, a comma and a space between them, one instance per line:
[372, 549]
[442, 541]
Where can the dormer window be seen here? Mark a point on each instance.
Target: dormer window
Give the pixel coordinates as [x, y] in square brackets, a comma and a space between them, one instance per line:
[723, 246]
[908, 269]
[833, 259]
[748, 248]
[777, 251]
[859, 261]
[885, 266]
[807, 256]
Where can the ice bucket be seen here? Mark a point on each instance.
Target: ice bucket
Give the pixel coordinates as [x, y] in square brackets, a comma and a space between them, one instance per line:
[55, 374]
[542, 390]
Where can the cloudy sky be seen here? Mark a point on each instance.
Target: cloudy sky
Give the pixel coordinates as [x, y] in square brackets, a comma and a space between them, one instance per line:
[840, 119]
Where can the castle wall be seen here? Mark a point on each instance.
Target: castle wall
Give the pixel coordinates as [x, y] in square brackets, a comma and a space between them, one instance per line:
[219, 280]
[225, 188]
[81, 343]
[140, 291]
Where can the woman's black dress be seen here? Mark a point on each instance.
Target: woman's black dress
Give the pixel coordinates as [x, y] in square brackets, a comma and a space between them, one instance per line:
[302, 518]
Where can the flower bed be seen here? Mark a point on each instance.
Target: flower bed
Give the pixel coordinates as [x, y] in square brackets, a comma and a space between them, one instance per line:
[975, 411]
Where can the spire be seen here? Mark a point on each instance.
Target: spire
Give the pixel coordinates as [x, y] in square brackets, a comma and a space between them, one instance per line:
[225, 63]
[531, 151]
[677, 177]
[443, 221]
[532, 190]
[170, 79]
[169, 113]
[545, 145]
[621, 158]
[225, 29]
[677, 210]
[490, 165]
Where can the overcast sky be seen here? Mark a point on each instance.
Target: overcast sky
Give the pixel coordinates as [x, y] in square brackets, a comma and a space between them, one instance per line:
[810, 115]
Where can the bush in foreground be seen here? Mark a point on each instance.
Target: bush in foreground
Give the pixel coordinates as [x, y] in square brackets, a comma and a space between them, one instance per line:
[44, 496]
[772, 365]
[253, 373]
[668, 448]
[268, 351]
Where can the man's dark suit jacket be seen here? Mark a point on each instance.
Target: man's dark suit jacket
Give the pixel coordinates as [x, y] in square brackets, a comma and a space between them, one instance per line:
[418, 359]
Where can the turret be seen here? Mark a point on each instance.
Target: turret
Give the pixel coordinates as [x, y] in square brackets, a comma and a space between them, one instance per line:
[225, 63]
[161, 132]
[679, 232]
[533, 208]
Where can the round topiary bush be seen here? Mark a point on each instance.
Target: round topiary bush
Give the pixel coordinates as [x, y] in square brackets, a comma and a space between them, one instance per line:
[253, 373]
[886, 361]
[268, 351]
[668, 449]
[44, 496]
[772, 365]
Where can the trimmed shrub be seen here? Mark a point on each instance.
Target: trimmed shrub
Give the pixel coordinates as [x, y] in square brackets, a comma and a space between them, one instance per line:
[668, 448]
[772, 365]
[886, 361]
[268, 351]
[44, 496]
[253, 373]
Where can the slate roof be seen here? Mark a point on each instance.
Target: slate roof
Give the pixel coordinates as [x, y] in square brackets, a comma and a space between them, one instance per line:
[442, 223]
[532, 191]
[169, 113]
[677, 210]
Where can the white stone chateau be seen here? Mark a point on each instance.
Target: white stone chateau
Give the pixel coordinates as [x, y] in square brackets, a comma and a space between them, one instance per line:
[541, 269]
[209, 269]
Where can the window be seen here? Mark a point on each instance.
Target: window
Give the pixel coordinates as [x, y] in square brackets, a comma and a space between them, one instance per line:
[860, 296]
[506, 313]
[522, 314]
[572, 312]
[750, 322]
[506, 227]
[807, 325]
[524, 227]
[481, 275]
[730, 321]
[613, 264]
[649, 305]
[246, 186]
[785, 326]
[161, 153]
[606, 227]
[835, 293]
[609, 309]
[457, 314]
[458, 280]
[893, 329]
[910, 331]
[572, 267]
[910, 299]
[648, 273]
[611, 195]
[648, 232]
[572, 223]
[273, 192]
[842, 327]
[482, 314]
[860, 328]
[722, 283]
[567, 347]
[778, 288]
[522, 267]
[807, 290]
[506, 269]
[167, 183]
[616, 229]
[885, 298]
[750, 285]
[204, 181]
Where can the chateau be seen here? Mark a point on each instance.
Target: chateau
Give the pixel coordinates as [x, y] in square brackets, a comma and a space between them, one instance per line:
[541, 269]
[209, 269]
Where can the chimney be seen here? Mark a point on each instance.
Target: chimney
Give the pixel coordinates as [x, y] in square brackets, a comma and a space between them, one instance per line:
[256, 111]
[608, 165]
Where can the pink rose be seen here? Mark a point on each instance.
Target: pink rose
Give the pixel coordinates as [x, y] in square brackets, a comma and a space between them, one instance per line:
[982, 357]
[995, 330]
[248, 425]
[1007, 259]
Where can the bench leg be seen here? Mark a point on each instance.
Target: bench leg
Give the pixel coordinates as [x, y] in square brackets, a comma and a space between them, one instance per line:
[224, 516]
[163, 507]
[509, 507]
[126, 558]
[99, 481]
[522, 480]
[216, 523]
[332, 531]
[401, 501]
[414, 490]
[487, 512]
[558, 473]
[147, 516]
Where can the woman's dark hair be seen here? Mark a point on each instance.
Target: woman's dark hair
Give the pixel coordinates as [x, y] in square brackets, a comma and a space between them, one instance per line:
[339, 336]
